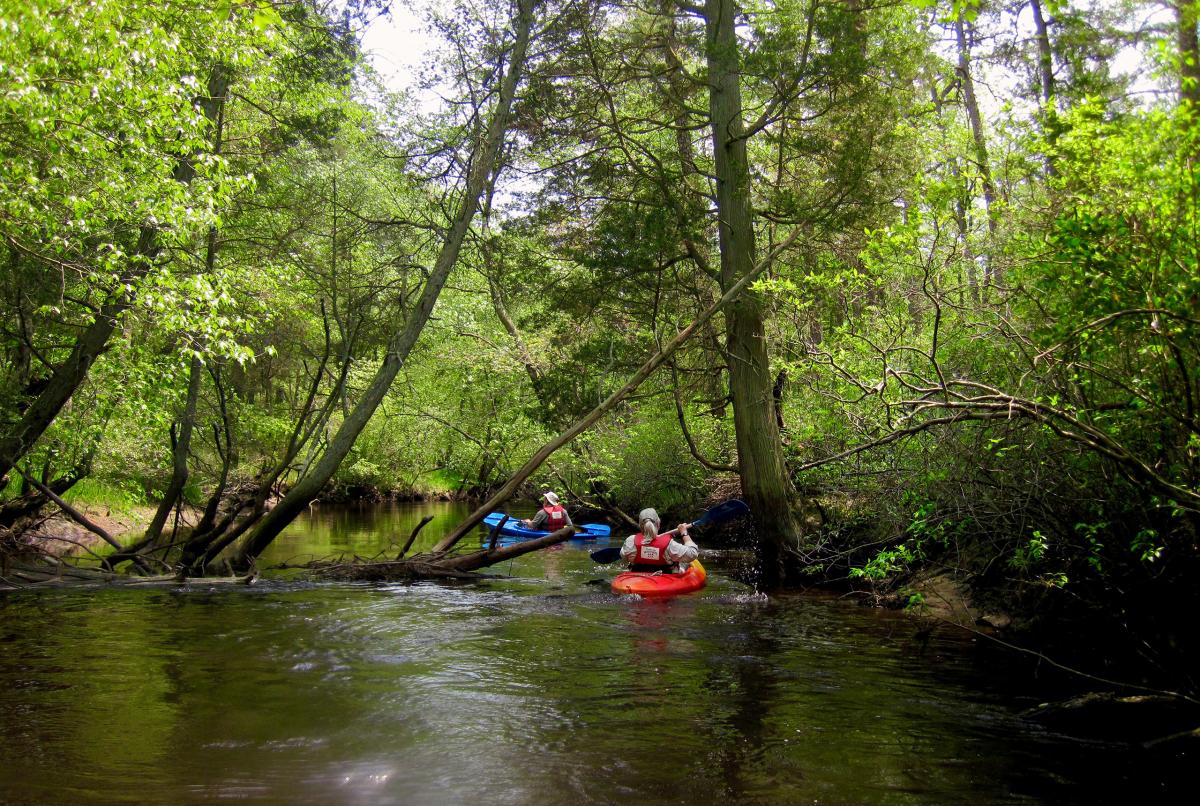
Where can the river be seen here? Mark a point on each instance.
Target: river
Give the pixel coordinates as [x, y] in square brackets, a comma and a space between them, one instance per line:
[540, 688]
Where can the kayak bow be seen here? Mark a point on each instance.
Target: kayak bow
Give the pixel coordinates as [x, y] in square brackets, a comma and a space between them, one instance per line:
[656, 583]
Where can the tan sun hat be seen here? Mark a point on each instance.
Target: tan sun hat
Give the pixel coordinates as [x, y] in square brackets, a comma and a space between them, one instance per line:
[551, 497]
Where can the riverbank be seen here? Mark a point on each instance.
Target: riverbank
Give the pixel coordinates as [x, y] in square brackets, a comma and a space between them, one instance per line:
[60, 536]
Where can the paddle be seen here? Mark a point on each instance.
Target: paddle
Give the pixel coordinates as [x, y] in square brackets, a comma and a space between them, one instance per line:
[721, 512]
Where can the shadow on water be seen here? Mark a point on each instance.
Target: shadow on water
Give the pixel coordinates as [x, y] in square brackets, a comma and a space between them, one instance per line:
[536, 688]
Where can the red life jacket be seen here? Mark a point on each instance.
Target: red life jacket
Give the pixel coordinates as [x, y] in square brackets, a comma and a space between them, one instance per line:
[654, 552]
[556, 517]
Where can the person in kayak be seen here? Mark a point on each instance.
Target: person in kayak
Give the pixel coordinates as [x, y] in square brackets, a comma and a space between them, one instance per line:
[650, 551]
[551, 517]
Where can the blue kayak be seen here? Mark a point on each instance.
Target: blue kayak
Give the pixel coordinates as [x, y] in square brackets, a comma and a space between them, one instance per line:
[514, 528]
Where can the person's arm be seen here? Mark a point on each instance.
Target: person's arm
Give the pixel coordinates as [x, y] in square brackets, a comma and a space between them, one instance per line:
[538, 520]
[569, 521]
[683, 550]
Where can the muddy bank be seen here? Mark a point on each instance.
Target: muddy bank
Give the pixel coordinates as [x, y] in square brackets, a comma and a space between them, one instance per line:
[59, 536]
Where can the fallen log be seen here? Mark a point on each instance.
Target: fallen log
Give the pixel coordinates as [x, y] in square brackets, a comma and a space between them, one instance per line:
[18, 574]
[434, 565]
[493, 555]
[437, 565]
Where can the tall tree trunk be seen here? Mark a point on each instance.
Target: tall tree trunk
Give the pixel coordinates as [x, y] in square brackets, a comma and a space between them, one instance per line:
[1045, 53]
[1187, 15]
[1049, 114]
[765, 483]
[982, 160]
[484, 158]
[687, 196]
[962, 217]
[181, 430]
[962, 210]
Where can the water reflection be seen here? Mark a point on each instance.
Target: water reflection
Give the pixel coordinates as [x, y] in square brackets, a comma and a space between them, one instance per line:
[367, 530]
[538, 688]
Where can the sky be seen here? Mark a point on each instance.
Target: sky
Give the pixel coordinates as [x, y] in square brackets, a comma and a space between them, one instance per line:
[396, 45]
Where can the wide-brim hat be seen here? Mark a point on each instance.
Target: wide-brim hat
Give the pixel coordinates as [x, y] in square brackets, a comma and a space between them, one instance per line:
[551, 497]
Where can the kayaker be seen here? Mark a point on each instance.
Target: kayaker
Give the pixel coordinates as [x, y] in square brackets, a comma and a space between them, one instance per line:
[650, 551]
[551, 517]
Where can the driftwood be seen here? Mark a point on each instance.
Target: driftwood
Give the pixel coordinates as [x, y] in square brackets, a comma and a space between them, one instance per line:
[413, 536]
[433, 565]
[436, 565]
[17, 574]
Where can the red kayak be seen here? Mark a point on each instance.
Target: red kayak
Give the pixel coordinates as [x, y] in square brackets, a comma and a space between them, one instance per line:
[646, 583]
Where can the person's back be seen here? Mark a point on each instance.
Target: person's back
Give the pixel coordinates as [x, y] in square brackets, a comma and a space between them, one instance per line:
[651, 552]
[556, 517]
[551, 517]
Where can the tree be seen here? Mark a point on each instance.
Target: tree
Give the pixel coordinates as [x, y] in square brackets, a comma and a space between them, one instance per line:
[490, 138]
[765, 482]
[108, 166]
[1188, 53]
[181, 431]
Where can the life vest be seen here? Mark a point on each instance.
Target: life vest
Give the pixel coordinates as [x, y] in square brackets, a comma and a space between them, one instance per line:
[556, 517]
[653, 553]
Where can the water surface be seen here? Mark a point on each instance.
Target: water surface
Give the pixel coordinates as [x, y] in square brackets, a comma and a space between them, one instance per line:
[541, 688]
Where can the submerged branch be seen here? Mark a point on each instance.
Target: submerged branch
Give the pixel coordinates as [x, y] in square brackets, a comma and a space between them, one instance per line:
[436, 564]
[413, 536]
[57, 573]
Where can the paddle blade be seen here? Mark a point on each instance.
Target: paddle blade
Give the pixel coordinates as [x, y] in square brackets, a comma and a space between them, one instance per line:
[732, 508]
[608, 555]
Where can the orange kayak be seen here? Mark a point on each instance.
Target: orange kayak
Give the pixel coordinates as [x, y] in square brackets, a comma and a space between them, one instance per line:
[658, 584]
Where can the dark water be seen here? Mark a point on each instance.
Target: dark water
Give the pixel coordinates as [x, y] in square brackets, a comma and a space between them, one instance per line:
[539, 689]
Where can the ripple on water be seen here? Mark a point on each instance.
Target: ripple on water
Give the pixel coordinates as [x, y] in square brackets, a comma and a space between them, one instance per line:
[534, 691]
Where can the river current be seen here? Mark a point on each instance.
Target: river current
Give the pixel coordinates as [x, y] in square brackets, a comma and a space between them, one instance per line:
[537, 688]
